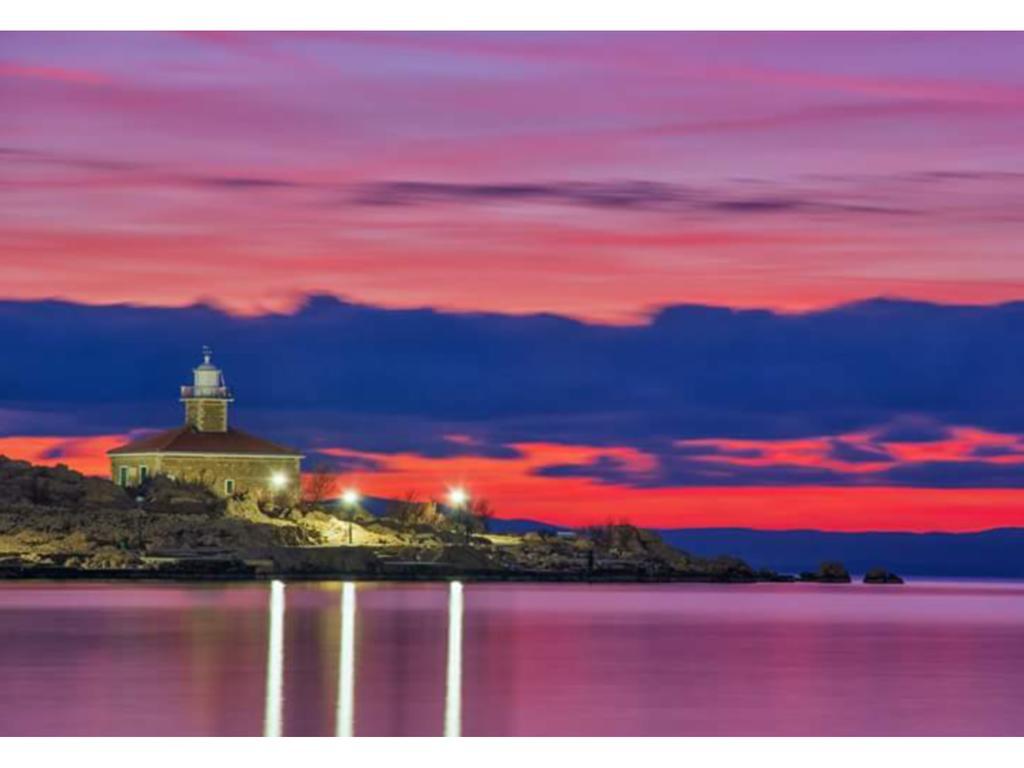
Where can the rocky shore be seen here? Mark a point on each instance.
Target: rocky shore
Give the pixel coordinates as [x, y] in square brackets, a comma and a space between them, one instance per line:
[56, 523]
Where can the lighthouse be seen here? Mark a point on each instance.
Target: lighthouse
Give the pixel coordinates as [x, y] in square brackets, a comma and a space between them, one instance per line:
[206, 401]
[207, 449]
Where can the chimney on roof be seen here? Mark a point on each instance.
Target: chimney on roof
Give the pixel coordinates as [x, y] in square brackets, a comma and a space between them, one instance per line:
[206, 401]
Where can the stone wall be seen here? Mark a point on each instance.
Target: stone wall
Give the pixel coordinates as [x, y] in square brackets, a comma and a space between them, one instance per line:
[248, 473]
[207, 415]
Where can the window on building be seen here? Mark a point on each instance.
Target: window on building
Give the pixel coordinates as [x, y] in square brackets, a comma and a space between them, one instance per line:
[229, 486]
[122, 476]
[143, 473]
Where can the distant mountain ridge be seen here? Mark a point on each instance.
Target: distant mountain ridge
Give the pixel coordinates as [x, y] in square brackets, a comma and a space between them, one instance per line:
[996, 553]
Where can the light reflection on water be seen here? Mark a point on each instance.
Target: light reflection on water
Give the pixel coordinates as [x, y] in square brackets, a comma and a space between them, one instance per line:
[273, 701]
[345, 721]
[345, 711]
[117, 659]
[453, 674]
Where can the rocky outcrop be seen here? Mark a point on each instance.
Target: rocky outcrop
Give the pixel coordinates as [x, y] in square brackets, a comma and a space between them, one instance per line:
[622, 551]
[56, 516]
[829, 572]
[26, 486]
[106, 558]
[322, 560]
[162, 496]
[881, 576]
[469, 558]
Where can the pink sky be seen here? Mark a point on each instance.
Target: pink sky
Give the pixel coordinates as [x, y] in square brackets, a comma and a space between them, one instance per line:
[788, 170]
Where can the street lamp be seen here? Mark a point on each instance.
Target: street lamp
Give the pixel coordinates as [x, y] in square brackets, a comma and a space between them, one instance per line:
[350, 500]
[457, 500]
[457, 497]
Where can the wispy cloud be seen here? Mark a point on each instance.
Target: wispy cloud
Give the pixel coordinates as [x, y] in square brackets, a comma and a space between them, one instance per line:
[619, 195]
[734, 199]
[53, 74]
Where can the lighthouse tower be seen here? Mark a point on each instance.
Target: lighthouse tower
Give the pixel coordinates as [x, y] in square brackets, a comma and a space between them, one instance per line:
[206, 401]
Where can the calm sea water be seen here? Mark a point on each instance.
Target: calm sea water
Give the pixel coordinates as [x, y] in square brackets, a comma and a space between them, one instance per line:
[500, 659]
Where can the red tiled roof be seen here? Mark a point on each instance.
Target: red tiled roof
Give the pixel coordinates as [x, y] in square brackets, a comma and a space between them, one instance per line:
[186, 439]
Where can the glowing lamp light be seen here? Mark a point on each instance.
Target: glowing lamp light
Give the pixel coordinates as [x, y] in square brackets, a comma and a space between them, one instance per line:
[458, 497]
[278, 480]
[350, 497]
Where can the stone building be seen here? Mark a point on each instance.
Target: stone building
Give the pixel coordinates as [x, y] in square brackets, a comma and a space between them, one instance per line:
[207, 448]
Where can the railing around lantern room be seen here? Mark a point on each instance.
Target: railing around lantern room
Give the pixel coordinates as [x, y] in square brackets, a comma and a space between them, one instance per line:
[218, 392]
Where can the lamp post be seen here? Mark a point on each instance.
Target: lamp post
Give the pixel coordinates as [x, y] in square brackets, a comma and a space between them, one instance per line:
[458, 498]
[350, 500]
[138, 521]
[278, 481]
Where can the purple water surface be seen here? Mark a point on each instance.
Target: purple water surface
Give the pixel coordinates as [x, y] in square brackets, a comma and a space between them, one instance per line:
[928, 658]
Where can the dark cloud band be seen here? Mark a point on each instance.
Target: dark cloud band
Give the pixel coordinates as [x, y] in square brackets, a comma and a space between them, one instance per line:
[386, 381]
